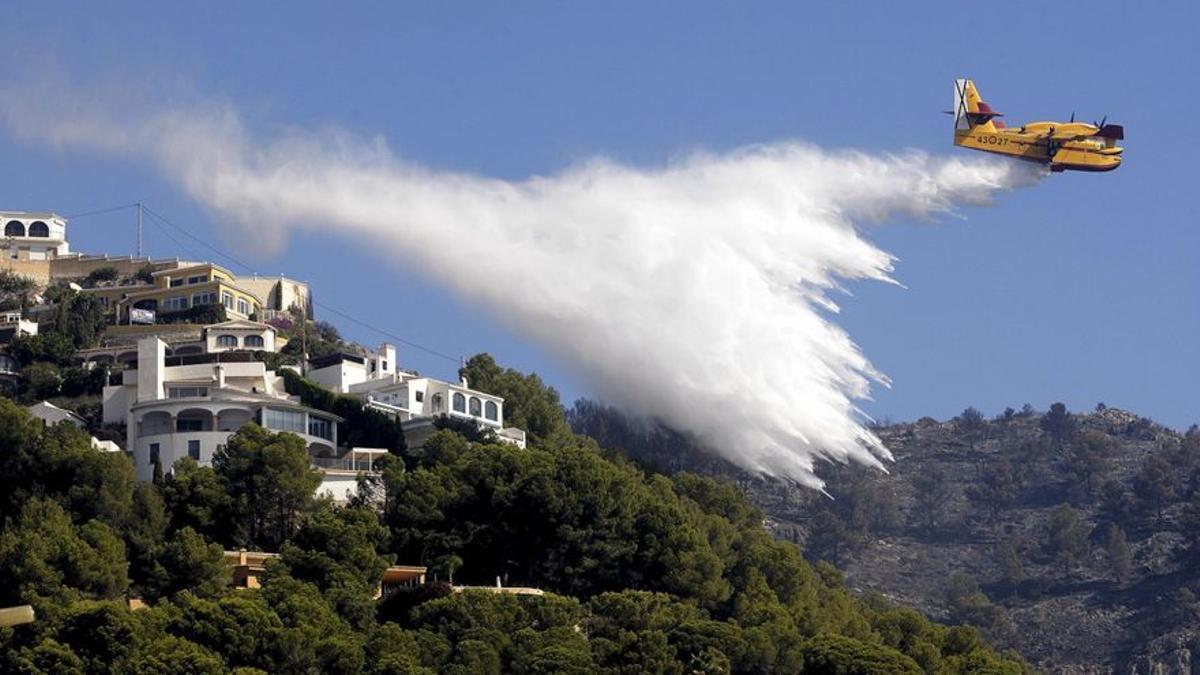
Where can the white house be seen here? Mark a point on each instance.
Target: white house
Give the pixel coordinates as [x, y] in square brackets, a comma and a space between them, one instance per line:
[236, 335]
[191, 409]
[34, 236]
[52, 414]
[412, 399]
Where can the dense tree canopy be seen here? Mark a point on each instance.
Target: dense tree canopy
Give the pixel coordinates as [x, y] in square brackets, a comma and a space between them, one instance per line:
[643, 572]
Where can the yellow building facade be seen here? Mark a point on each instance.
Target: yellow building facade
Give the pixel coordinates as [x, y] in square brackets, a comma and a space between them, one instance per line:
[179, 289]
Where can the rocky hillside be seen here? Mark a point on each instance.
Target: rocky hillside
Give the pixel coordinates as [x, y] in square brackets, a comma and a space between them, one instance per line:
[1072, 538]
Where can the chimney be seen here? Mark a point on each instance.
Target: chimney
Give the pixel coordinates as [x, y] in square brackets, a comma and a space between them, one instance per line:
[152, 355]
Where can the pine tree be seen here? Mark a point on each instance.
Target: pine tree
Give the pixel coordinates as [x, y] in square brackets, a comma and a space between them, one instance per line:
[1120, 560]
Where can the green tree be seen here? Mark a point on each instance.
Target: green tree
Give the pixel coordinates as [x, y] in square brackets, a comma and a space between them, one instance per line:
[192, 563]
[52, 347]
[1120, 560]
[972, 425]
[1089, 458]
[80, 319]
[16, 291]
[998, 489]
[196, 497]
[1189, 524]
[49, 562]
[967, 602]
[529, 403]
[933, 492]
[827, 538]
[1115, 505]
[58, 462]
[170, 654]
[337, 549]
[828, 654]
[101, 274]
[1008, 554]
[42, 380]
[270, 482]
[1066, 537]
[1154, 484]
[1058, 424]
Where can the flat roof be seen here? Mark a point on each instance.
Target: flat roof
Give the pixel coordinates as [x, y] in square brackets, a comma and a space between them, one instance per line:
[42, 215]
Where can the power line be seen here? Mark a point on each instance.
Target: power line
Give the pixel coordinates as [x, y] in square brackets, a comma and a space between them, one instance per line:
[155, 216]
[384, 333]
[100, 211]
[170, 236]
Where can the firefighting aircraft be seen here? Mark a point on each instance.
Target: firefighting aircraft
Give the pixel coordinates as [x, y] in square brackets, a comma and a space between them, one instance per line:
[1062, 145]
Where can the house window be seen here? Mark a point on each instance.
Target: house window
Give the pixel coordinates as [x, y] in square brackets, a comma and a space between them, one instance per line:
[175, 304]
[491, 411]
[154, 453]
[197, 280]
[243, 307]
[187, 392]
[227, 300]
[209, 298]
[320, 428]
[476, 406]
[189, 424]
[194, 450]
[283, 420]
[226, 340]
[176, 282]
[420, 396]
[384, 366]
[254, 341]
[14, 228]
[437, 403]
[39, 229]
[460, 402]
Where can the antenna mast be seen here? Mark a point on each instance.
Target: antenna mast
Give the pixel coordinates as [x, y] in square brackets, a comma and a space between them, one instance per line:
[139, 229]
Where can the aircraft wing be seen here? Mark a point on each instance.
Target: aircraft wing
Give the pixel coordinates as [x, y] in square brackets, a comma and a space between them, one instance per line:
[1114, 131]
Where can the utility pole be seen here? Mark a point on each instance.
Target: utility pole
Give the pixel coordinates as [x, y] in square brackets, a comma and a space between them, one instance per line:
[139, 229]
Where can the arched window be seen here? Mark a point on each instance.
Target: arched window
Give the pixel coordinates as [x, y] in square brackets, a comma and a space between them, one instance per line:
[254, 341]
[14, 228]
[39, 229]
[475, 407]
[226, 340]
[460, 402]
[491, 411]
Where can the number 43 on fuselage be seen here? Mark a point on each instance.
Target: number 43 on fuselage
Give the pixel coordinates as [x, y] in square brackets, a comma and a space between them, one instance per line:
[1074, 146]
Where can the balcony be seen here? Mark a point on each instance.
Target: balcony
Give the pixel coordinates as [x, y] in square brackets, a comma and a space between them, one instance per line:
[356, 460]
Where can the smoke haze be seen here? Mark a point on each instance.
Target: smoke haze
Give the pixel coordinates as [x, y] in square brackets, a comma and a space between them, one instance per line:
[698, 292]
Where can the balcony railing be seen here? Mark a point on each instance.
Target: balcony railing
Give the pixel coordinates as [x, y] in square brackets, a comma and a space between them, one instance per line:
[343, 464]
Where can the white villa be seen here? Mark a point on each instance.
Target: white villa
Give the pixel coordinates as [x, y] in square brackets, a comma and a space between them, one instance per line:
[188, 340]
[189, 410]
[34, 236]
[408, 397]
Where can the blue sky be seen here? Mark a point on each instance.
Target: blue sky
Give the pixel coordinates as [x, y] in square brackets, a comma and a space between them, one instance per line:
[1082, 289]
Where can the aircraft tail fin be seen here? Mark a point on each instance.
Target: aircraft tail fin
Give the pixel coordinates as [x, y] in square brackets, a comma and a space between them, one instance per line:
[969, 108]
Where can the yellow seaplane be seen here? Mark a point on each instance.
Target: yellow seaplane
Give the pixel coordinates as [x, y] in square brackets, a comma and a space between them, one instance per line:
[1072, 145]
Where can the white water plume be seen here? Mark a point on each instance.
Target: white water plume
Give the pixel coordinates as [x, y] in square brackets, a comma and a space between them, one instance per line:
[698, 292]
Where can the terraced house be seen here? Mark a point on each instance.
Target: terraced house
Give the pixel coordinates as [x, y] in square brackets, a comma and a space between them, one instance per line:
[178, 290]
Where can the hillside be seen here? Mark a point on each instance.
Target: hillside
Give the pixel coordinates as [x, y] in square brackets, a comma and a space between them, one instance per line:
[1007, 524]
[621, 570]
